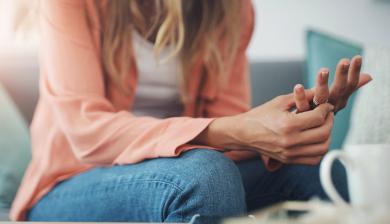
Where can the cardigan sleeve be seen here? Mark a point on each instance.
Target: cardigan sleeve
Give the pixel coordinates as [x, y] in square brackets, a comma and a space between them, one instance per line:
[72, 83]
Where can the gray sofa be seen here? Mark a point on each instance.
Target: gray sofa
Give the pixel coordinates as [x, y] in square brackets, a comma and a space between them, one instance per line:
[3, 215]
[19, 75]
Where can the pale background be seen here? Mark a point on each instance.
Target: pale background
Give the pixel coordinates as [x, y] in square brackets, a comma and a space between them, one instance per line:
[280, 25]
[279, 33]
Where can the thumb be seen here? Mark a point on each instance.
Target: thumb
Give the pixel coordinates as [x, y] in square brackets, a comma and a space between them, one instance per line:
[324, 109]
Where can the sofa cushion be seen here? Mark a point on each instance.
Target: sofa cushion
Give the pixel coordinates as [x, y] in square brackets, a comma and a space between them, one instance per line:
[325, 51]
[14, 149]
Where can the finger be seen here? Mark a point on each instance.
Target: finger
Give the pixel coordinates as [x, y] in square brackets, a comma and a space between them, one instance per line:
[313, 118]
[301, 102]
[318, 134]
[339, 85]
[318, 149]
[342, 101]
[364, 79]
[312, 161]
[322, 91]
[288, 101]
[310, 136]
[354, 73]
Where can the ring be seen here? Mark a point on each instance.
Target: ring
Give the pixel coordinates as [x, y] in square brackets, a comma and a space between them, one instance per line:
[315, 102]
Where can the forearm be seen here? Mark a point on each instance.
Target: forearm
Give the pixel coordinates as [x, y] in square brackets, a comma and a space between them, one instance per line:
[221, 133]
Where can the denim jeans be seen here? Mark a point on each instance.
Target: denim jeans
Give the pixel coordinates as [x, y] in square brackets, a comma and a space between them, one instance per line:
[200, 181]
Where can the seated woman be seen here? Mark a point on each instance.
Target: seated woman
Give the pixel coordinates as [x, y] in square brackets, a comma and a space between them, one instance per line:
[144, 115]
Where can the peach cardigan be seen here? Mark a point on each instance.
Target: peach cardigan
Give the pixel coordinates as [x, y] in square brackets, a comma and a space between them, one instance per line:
[82, 122]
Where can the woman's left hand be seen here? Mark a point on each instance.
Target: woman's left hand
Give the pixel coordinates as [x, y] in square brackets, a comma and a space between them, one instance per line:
[347, 80]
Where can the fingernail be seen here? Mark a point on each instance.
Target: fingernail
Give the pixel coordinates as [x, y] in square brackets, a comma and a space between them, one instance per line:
[358, 60]
[346, 66]
[298, 87]
[325, 75]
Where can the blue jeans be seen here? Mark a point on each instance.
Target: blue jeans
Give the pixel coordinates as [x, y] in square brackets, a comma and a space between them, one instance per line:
[200, 181]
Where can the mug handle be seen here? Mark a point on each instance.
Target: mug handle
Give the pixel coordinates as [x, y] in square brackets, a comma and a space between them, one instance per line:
[325, 176]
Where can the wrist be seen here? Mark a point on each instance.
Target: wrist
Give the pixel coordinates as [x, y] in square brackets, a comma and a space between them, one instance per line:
[221, 133]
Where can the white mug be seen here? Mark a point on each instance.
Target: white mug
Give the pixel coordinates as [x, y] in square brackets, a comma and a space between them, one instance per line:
[368, 171]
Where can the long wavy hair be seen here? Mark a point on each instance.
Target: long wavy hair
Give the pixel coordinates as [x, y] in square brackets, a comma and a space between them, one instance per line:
[196, 29]
[208, 29]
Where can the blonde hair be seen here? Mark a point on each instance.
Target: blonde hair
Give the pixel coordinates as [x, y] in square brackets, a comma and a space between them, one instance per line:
[208, 29]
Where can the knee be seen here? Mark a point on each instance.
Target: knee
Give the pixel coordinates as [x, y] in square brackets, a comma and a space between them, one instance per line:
[212, 172]
[339, 179]
[214, 183]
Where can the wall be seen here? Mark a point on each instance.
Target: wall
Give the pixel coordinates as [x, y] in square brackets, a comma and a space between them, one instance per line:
[280, 25]
[279, 33]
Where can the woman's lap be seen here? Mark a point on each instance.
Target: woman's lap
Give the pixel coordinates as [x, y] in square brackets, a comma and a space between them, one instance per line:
[165, 189]
[174, 189]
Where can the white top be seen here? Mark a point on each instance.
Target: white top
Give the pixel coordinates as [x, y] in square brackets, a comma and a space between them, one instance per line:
[157, 93]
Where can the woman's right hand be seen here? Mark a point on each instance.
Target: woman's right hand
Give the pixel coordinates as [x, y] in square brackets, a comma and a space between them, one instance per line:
[272, 130]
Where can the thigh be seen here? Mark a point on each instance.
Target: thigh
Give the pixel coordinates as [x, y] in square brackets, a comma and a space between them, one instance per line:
[119, 193]
[291, 182]
[165, 189]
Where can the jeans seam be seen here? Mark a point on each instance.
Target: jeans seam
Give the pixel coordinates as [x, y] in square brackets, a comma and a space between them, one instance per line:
[181, 212]
[165, 206]
[174, 186]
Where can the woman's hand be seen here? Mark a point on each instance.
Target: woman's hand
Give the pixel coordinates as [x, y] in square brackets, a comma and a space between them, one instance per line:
[299, 138]
[272, 130]
[319, 94]
[347, 80]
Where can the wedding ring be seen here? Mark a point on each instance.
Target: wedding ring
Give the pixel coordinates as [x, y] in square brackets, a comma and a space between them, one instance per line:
[314, 103]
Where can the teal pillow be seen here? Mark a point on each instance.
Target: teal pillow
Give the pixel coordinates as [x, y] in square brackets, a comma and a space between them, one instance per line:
[14, 149]
[325, 51]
